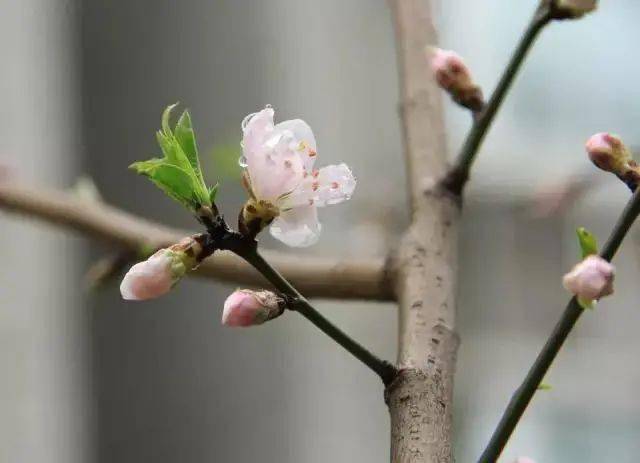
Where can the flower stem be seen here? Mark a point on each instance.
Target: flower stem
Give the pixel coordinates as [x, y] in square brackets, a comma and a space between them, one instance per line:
[459, 173]
[523, 395]
[385, 370]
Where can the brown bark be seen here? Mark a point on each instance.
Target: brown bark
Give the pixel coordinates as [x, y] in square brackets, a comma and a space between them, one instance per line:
[366, 279]
[420, 399]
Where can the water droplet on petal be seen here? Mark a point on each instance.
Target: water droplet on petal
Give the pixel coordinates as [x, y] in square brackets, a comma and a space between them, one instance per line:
[242, 161]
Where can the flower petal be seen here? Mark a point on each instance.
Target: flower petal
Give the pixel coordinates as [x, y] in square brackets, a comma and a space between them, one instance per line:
[297, 227]
[276, 170]
[305, 140]
[256, 128]
[330, 185]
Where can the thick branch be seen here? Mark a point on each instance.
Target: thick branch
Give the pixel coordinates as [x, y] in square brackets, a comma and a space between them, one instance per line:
[525, 392]
[459, 174]
[420, 399]
[315, 277]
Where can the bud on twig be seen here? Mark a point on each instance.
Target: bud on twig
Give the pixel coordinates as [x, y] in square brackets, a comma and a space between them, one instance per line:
[247, 308]
[160, 272]
[453, 75]
[609, 153]
[591, 279]
[572, 9]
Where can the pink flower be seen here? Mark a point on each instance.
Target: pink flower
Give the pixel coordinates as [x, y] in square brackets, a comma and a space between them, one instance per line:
[590, 279]
[608, 152]
[282, 183]
[453, 75]
[159, 273]
[247, 308]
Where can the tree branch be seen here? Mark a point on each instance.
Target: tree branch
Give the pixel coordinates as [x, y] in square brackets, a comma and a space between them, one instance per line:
[527, 389]
[420, 398]
[459, 173]
[366, 279]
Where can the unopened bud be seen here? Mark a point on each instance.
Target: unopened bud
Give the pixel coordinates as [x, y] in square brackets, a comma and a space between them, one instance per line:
[453, 75]
[608, 152]
[573, 9]
[159, 273]
[590, 279]
[247, 308]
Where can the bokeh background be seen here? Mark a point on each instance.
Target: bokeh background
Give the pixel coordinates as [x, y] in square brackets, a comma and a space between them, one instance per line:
[86, 377]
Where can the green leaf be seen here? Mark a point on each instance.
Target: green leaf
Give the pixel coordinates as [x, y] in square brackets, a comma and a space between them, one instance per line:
[213, 192]
[174, 181]
[544, 387]
[178, 173]
[587, 241]
[186, 138]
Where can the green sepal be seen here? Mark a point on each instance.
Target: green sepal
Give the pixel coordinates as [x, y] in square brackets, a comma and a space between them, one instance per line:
[587, 241]
[544, 387]
[586, 304]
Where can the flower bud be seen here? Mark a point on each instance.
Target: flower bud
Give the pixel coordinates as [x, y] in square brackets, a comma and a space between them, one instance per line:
[453, 75]
[524, 460]
[590, 279]
[160, 272]
[247, 308]
[608, 152]
[573, 9]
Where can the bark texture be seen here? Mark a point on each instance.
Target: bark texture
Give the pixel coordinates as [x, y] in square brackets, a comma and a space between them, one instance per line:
[420, 398]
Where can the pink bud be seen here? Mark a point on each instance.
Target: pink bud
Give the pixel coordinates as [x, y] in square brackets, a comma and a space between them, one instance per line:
[160, 272]
[149, 279]
[247, 308]
[449, 69]
[590, 279]
[608, 152]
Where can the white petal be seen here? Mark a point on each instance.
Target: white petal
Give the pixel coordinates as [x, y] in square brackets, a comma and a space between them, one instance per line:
[276, 170]
[304, 139]
[330, 185]
[298, 227]
[256, 128]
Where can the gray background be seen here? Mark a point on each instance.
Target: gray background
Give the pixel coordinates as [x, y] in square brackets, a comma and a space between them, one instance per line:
[87, 377]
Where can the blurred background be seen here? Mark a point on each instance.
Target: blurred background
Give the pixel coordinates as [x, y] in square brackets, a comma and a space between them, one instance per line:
[89, 378]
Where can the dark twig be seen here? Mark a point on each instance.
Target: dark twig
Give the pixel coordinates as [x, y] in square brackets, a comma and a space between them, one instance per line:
[385, 370]
[459, 173]
[527, 389]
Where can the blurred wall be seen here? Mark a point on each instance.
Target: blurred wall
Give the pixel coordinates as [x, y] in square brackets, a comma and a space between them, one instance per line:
[44, 407]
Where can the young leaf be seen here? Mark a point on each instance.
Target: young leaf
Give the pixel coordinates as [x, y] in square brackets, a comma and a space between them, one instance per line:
[587, 241]
[187, 140]
[178, 173]
[213, 191]
[544, 387]
[171, 179]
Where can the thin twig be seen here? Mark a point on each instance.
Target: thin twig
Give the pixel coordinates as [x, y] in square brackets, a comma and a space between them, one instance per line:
[366, 279]
[525, 392]
[459, 173]
[382, 368]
